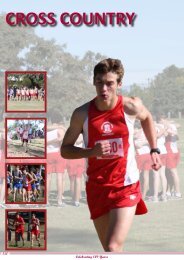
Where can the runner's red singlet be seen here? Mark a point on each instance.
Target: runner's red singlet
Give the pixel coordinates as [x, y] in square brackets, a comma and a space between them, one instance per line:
[113, 180]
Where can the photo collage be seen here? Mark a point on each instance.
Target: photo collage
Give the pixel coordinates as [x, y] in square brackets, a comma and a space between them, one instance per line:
[25, 160]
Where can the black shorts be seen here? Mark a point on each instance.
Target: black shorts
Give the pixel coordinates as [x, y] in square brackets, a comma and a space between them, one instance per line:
[25, 140]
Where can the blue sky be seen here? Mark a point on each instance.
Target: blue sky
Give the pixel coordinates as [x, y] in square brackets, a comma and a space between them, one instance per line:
[155, 42]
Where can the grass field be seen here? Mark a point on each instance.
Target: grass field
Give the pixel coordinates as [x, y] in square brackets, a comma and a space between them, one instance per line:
[19, 197]
[161, 230]
[25, 105]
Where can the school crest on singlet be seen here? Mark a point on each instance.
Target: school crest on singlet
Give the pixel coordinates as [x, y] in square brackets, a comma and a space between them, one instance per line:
[107, 127]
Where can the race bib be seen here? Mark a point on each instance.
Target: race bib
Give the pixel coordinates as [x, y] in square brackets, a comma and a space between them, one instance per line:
[116, 148]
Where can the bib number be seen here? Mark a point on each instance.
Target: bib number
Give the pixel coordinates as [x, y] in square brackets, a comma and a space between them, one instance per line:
[116, 148]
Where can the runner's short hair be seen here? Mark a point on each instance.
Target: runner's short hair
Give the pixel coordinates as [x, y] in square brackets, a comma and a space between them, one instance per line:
[110, 65]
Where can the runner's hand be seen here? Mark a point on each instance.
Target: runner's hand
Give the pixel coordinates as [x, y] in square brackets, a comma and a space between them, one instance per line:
[157, 164]
[101, 148]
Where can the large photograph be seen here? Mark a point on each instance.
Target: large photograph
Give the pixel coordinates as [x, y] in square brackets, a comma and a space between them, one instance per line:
[151, 82]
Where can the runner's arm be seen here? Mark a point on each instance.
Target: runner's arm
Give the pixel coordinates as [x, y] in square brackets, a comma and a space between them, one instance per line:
[68, 150]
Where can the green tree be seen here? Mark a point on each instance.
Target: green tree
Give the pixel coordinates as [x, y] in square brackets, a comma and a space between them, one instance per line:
[167, 91]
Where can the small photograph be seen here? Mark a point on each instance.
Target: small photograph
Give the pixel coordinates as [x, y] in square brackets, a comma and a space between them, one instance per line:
[25, 230]
[25, 91]
[25, 184]
[25, 138]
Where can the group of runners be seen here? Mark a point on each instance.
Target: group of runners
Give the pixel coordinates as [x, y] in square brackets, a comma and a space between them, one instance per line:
[24, 183]
[164, 184]
[155, 187]
[56, 164]
[33, 227]
[25, 94]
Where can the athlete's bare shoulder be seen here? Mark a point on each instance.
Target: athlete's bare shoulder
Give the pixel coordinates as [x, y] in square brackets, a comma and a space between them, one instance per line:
[132, 105]
[76, 124]
[80, 113]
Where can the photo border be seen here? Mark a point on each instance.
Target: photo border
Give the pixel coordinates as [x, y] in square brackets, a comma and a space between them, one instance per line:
[25, 249]
[26, 118]
[44, 202]
[25, 72]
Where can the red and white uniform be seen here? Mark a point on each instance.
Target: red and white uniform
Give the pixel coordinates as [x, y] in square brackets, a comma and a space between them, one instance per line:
[26, 183]
[35, 223]
[55, 163]
[27, 92]
[113, 180]
[19, 225]
[25, 135]
[18, 92]
[31, 92]
[22, 92]
[173, 154]
[161, 144]
[20, 131]
[36, 92]
[143, 152]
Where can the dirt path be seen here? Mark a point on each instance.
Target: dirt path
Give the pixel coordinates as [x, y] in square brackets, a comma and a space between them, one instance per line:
[15, 149]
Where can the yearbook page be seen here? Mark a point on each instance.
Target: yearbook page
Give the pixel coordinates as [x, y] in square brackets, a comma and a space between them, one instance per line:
[91, 128]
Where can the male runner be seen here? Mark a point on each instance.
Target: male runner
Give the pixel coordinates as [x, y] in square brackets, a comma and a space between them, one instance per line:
[17, 182]
[112, 188]
[35, 230]
[27, 189]
[39, 178]
[19, 228]
[25, 138]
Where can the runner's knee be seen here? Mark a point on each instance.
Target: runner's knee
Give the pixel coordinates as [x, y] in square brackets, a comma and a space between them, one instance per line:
[114, 247]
